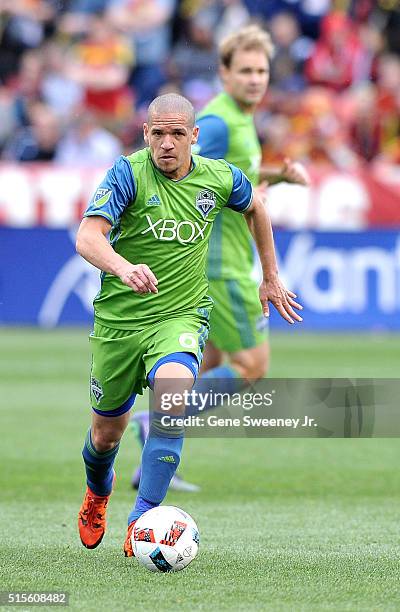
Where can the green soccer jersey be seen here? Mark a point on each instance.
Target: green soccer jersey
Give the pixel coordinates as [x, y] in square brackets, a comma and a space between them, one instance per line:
[227, 132]
[165, 224]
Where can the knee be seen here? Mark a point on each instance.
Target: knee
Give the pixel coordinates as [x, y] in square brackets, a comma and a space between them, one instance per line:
[104, 439]
[252, 365]
[254, 371]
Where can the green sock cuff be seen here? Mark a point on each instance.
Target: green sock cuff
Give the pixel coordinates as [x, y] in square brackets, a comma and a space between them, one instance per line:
[95, 453]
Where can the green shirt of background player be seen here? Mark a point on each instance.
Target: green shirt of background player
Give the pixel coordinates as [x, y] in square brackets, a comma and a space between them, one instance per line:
[227, 131]
[151, 312]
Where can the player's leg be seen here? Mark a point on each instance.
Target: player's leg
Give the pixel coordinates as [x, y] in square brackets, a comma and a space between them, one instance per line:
[239, 334]
[212, 358]
[112, 397]
[172, 363]
[100, 449]
[140, 426]
[238, 328]
[99, 452]
[251, 363]
[162, 450]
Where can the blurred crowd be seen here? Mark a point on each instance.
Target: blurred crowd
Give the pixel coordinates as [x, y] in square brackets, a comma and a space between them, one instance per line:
[76, 75]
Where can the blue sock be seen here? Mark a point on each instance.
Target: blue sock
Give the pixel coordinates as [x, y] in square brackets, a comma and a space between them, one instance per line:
[160, 459]
[222, 379]
[99, 467]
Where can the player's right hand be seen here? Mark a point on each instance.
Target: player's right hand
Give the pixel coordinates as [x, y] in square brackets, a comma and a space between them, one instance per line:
[140, 278]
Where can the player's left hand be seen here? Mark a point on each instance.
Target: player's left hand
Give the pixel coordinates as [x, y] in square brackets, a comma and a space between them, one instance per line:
[272, 290]
[261, 190]
[294, 172]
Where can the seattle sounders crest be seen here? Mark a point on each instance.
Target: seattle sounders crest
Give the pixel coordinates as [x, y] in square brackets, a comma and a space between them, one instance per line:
[205, 201]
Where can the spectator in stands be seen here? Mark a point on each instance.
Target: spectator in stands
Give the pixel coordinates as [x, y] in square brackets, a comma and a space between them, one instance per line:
[26, 84]
[233, 16]
[194, 60]
[22, 26]
[388, 102]
[85, 143]
[317, 130]
[101, 63]
[338, 54]
[291, 51]
[392, 29]
[76, 20]
[7, 123]
[148, 24]
[39, 140]
[365, 130]
[373, 43]
[57, 88]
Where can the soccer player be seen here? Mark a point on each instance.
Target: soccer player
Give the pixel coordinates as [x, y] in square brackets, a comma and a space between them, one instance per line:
[238, 328]
[152, 311]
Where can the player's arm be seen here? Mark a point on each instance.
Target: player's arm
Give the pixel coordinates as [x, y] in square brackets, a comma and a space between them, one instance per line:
[115, 192]
[289, 172]
[247, 201]
[92, 244]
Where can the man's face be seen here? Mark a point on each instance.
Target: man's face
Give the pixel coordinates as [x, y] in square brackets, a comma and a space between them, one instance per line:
[170, 138]
[247, 78]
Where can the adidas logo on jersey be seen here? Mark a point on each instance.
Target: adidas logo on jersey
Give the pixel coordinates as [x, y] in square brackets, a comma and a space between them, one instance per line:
[154, 200]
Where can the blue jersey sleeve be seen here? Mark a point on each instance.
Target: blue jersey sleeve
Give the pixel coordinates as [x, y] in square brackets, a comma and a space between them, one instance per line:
[242, 191]
[213, 139]
[114, 193]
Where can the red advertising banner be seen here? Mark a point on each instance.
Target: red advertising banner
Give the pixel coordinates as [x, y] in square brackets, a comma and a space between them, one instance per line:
[53, 196]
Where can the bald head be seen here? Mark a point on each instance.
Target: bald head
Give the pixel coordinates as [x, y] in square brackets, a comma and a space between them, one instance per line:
[170, 104]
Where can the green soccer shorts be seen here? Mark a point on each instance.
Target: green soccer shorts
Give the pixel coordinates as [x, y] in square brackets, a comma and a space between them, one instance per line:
[122, 359]
[237, 321]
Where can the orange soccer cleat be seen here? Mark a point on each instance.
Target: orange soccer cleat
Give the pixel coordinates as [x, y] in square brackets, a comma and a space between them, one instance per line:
[128, 544]
[92, 518]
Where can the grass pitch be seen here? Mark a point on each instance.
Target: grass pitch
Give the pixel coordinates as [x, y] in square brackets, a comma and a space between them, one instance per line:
[287, 525]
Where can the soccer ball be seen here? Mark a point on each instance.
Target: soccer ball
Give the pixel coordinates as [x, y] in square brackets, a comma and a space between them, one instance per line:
[165, 539]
